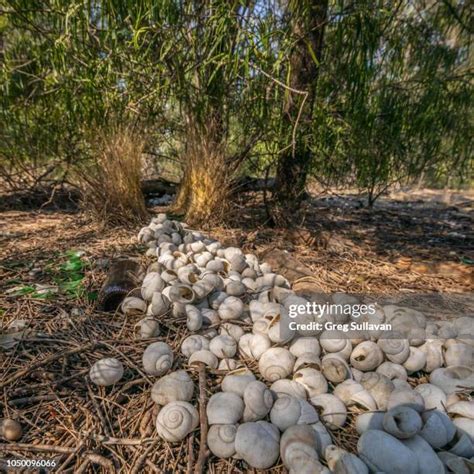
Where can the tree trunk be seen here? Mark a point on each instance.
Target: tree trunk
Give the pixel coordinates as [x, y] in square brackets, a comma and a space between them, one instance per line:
[308, 19]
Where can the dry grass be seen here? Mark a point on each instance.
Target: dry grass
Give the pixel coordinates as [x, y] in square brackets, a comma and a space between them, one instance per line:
[111, 190]
[207, 181]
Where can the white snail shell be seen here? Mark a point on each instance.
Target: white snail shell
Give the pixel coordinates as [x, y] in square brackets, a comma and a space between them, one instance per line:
[335, 368]
[438, 430]
[323, 438]
[462, 408]
[193, 318]
[204, 287]
[276, 363]
[223, 346]
[194, 343]
[149, 327]
[188, 274]
[237, 381]
[210, 317]
[433, 396]
[212, 282]
[258, 443]
[231, 308]
[409, 398]
[229, 364]
[176, 386]
[258, 400]
[254, 345]
[298, 450]
[221, 440]
[303, 345]
[330, 342]
[366, 356]
[382, 452]
[157, 358]
[235, 288]
[131, 306]
[396, 350]
[392, 370]
[160, 304]
[181, 293]
[151, 283]
[415, 361]
[342, 462]
[308, 359]
[402, 422]
[176, 420]
[332, 410]
[224, 408]
[370, 421]
[106, 371]
[353, 393]
[258, 309]
[452, 379]
[233, 330]
[288, 411]
[312, 380]
[457, 353]
[379, 386]
[283, 387]
[433, 350]
[204, 357]
[465, 426]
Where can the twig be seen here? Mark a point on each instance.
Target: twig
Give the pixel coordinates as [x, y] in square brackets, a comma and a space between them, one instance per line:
[137, 467]
[189, 468]
[71, 456]
[203, 451]
[40, 448]
[95, 459]
[120, 441]
[98, 410]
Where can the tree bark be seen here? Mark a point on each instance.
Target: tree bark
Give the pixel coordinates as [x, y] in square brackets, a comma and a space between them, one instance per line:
[307, 19]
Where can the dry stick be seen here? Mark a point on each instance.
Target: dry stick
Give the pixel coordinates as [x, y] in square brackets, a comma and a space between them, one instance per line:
[40, 448]
[98, 410]
[46, 360]
[71, 456]
[121, 441]
[137, 467]
[95, 459]
[189, 468]
[203, 451]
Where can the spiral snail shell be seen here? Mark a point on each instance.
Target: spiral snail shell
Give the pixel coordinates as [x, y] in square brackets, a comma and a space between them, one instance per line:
[176, 420]
[107, 371]
[176, 386]
[157, 358]
[221, 440]
[258, 400]
[276, 363]
[288, 411]
[298, 450]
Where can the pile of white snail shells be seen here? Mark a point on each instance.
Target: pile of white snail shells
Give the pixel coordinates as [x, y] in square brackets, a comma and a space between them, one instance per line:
[306, 384]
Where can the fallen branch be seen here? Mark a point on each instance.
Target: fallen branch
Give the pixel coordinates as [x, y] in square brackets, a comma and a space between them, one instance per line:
[203, 451]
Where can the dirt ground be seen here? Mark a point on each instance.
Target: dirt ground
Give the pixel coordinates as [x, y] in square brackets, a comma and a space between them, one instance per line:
[411, 243]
